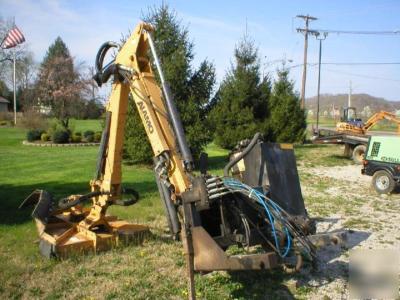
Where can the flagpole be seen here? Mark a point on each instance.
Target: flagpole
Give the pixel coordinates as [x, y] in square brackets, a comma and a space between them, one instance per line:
[14, 84]
[13, 38]
[15, 95]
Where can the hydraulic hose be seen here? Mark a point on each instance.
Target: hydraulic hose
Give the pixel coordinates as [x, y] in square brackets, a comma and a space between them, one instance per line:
[103, 147]
[103, 74]
[169, 208]
[127, 202]
[241, 155]
[101, 53]
[65, 203]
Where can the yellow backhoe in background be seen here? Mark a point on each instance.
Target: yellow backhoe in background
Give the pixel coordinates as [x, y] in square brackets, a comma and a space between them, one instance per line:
[351, 124]
[352, 132]
[209, 213]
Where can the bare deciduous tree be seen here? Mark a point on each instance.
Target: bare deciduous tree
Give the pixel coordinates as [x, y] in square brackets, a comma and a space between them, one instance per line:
[25, 68]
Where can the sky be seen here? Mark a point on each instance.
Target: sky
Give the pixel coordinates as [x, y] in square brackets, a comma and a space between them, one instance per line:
[215, 27]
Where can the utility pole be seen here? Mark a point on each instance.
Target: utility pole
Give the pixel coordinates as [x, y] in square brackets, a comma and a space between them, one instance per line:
[319, 71]
[349, 99]
[305, 31]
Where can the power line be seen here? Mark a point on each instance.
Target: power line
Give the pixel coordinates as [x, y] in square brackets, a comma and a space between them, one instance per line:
[347, 64]
[324, 32]
[361, 75]
[346, 73]
[360, 63]
[384, 32]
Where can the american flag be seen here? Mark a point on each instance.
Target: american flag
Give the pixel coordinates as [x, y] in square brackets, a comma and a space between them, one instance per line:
[13, 38]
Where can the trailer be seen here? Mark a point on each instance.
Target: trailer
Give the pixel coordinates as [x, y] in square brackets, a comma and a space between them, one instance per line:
[355, 145]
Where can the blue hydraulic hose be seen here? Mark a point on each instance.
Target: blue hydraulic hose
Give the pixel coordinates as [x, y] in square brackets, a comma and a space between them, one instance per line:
[271, 220]
[288, 245]
[233, 184]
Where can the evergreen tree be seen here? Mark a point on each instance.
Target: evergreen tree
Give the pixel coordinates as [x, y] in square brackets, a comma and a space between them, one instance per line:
[191, 88]
[137, 148]
[56, 50]
[288, 120]
[242, 107]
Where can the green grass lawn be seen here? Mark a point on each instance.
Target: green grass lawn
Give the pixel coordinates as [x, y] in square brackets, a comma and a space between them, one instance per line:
[83, 125]
[154, 270]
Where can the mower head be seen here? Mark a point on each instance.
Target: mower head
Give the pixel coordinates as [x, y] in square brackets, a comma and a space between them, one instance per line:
[63, 230]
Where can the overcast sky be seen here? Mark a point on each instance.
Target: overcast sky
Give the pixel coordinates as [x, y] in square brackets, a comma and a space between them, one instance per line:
[216, 26]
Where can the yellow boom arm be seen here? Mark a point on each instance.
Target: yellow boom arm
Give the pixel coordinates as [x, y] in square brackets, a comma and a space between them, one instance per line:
[141, 83]
[382, 115]
[133, 75]
[346, 127]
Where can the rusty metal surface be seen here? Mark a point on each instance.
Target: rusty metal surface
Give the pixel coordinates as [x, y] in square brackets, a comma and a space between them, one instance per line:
[208, 256]
[330, 238]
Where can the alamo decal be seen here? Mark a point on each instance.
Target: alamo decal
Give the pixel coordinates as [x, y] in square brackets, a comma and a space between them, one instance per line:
[146, 117]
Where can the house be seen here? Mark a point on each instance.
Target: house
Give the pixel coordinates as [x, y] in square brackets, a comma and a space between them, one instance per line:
[42, 108]
[366, 112]
[4, 104]
[334, 112]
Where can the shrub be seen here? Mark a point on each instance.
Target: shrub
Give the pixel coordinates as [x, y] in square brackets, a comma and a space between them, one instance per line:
[60, 137]
[45, 137]
[3, 123]
[76, 138]
[6, 116]
[87, 133]
[89, 138]
[97, 136]
[33, 135]
[78, 133]
[54, 125]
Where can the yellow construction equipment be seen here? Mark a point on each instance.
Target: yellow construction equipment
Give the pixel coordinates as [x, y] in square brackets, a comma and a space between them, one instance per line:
[350, 123]
[209, 213]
